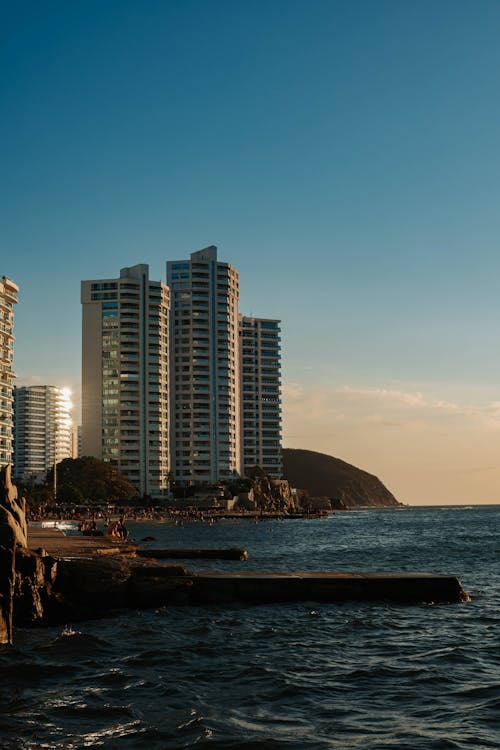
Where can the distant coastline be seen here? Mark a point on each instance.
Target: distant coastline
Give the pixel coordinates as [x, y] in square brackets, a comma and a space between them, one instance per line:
[326, 476]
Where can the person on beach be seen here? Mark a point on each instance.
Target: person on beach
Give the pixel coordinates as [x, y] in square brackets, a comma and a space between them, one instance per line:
[122, 530]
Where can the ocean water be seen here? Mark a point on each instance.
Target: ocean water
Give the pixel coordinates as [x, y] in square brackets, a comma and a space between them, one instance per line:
[301, 676]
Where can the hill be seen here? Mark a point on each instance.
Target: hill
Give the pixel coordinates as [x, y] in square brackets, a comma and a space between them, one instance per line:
[326, 476]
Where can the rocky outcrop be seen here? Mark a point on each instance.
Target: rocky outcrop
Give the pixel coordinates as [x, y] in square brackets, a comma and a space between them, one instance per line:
[325, 476]
[33, 589]
[267, 494]
[26, 578]
[50, 592]
[90, 587]
[87, 588]
[13, 535]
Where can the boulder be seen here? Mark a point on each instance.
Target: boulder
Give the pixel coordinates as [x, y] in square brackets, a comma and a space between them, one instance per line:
[16, 512]
[92, 587]
[13, 534]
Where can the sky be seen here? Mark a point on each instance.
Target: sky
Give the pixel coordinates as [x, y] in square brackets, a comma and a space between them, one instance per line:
[343, 156]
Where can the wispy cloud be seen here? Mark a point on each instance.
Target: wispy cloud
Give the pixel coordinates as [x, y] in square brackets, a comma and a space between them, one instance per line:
[396, 408]
[409, 398]
[423, 446]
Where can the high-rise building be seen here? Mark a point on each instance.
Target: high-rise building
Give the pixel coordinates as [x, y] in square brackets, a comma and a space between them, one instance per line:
[43, 429]
[205, 398]
[260, 357]
[125, 373]
[77, 440]
[8, 298]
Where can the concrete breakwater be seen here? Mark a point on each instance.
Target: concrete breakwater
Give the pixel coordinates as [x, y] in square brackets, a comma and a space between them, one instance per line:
[69, 589]
[60, 579]
[210, 553]
[77, 578]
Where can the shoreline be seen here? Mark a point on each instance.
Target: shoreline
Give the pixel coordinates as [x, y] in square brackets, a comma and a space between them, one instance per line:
[175, 517]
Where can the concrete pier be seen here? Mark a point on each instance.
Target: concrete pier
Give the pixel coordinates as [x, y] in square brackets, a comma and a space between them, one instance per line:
[260, 588]
[212, 553]
[144, 584]
[57, 544]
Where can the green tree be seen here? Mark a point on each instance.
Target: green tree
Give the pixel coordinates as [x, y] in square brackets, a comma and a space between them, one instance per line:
[35, 494]
[89, 480]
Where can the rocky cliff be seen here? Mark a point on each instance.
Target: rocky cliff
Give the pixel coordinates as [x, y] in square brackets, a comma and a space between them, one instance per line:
[12, 538]
[325, 476]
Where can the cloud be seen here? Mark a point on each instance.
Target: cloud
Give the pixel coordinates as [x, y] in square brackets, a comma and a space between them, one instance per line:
[385, 406]
[409, 398]
[424, 447]
[480, 469]
[292, 390]
[382, 394]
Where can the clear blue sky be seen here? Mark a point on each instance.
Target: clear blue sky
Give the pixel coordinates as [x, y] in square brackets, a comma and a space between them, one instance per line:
[344, 156]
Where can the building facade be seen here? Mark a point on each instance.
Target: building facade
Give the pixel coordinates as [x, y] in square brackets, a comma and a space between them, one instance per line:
[260, 372]
[204, 352]
[43, 430]
[8, 298]
[125, 376]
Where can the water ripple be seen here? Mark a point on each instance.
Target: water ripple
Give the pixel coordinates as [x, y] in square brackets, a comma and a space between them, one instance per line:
[298, 676]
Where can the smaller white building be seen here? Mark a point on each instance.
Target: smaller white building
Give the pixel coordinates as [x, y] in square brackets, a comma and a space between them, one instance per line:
[43, 430]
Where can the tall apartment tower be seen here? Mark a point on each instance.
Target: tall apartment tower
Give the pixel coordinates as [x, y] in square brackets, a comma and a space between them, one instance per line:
[125, 372]
[43, 429]
[260, 353]
[205, 411]
[8, 298]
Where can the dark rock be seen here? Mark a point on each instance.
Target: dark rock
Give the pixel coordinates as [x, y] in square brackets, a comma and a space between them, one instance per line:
[180, 553]
[50, 568]
[91, 587]
[28, 606]
[157, 571]
[16, 510]
[10, 532]
[31, 589]
[158, 585]
[338, 504]
[95, 587]
[13, 534]
[7, 579]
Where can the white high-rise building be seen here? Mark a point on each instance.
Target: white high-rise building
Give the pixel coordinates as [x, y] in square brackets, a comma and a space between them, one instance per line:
[205, 397]
[8, 298]
[43, 429]
[125, 373]
[260, 352]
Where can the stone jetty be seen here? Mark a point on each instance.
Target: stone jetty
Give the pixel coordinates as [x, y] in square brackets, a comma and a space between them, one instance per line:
[210, 553]
[48, 578]
[266, 588]
[97, 575]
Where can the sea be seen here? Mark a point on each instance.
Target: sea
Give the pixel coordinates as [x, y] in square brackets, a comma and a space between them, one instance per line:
[298, 676]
